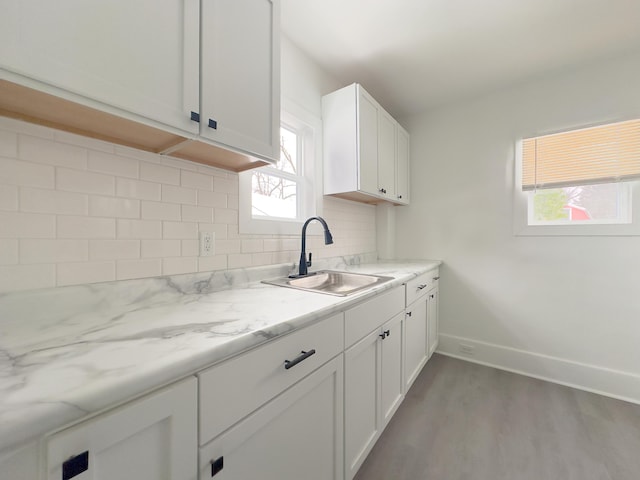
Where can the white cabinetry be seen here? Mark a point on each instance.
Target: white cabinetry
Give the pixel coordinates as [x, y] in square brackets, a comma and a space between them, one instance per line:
[361, 153]
[197, 79]
[241, 74]
[140, 56]
[402, 166]
[373, 373]
[421, 323]
[149, 439]
[276, 412]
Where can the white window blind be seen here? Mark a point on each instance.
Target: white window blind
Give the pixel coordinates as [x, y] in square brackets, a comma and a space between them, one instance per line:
[605, 154]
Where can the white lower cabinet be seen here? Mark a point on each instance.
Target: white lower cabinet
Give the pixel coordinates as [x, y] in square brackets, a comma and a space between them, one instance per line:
[434, 321]
[373, 376]
[153, 438]
[416, 349]
[298, 435]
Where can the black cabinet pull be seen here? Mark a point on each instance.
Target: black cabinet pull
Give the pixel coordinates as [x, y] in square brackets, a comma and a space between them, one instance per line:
[195, 116]
[213, 124]
[433, 296]
[409, 314]
[303, 356]
[382, 336]
[436, 278]
[420, 287]
[75, 466]
[217, 465]
[387, 333]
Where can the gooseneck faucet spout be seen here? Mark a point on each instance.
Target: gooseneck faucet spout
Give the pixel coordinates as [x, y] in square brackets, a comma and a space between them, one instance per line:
[328, 240]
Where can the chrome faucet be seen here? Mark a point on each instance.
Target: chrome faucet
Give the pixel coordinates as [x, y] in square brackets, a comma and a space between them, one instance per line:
[328, 240]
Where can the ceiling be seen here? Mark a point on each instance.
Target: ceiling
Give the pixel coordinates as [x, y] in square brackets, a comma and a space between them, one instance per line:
[412, 55]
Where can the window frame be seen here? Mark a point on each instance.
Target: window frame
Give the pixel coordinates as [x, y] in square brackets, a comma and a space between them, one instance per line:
[521, 225]
[309, 192]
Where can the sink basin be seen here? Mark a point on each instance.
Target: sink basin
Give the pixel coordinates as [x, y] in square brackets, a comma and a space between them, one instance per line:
[331, 282]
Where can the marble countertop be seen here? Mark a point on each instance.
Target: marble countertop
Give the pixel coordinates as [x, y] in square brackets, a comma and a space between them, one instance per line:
[69, 352]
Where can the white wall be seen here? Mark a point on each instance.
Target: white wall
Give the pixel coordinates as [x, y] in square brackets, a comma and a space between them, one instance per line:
[563, 308]
[75, 210]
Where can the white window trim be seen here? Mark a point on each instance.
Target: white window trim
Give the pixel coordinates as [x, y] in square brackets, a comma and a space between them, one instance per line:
[310, 197]
[521, 213]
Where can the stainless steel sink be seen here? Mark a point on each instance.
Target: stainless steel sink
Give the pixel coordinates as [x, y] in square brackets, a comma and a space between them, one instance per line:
[331, 282]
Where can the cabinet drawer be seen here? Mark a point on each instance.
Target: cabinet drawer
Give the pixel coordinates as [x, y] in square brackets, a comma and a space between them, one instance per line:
[237, 387]
[371, 314]
[420, 285]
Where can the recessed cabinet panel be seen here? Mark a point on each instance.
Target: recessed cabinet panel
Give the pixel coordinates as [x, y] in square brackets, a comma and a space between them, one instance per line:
[298, 435]
[240, 74]
[140, 56]
[416, 349]
[402, 166]
[391, 381]
[386, 155]
[434, 321]
[153, 438]
[368, 145]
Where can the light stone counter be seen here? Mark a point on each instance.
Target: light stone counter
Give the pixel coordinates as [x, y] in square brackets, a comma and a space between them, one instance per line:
[69, 352]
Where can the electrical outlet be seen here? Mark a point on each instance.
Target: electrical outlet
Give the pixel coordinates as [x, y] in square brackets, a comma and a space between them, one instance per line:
[207, 244]
[466, 349]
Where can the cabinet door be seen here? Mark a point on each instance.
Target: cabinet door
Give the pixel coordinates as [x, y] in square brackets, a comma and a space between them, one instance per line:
[361, 401]
[391, 380]
[298, 435]
[139, 56]
[415, 339]
[241, 75]
[386, 155]
[367, 143]
[153, 438]
[434, 321]
[402, 166]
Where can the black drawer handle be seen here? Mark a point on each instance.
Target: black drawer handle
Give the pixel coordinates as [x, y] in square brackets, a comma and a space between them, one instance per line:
[303, 356]
[420, 287]
[75, 466]
[436, 278]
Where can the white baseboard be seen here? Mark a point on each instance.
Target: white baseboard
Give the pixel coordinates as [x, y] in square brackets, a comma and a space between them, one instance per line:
[611, 383]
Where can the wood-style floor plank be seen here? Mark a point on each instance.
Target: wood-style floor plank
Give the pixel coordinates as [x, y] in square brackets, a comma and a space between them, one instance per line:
[462, 421]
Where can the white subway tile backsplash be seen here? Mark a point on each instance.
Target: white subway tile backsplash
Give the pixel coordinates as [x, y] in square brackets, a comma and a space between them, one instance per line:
[208, 264]
[178, 265]
[139, 229]
[212, 199]
[161, 248]
[226, 185]
[52, 201]
[173, 194]
[239, 260]
[84, 182]
[196, 180]
[159, 173]
[49, 152]
[126, 187]
[113, 249]
[127, 269]
[26, 174]
[180, 230]
[8, 251]
[27, 225]
[79, 210]
[189, 248]
[8, 144]
[226, 215]
[8, 197]
[160, 211]
[252, 246]
[196, 214]
[53, 251]
[85, 227]
[114, 207]
[27, 277]
[113, 164]
[85, 272]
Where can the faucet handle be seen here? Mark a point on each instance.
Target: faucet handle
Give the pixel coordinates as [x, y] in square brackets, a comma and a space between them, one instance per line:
[309, 262]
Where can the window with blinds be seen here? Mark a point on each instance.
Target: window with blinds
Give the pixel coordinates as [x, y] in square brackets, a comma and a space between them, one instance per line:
[581, 176]
[596, 155]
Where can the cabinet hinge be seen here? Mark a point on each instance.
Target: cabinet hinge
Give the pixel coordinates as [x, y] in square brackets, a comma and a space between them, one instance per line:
[213, 124]
[195, 116]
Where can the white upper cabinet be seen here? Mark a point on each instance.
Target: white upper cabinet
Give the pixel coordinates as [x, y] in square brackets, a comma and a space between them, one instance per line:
[402, 166]
[365, 149]
[241, 75]
[140, 56]
[197, 79]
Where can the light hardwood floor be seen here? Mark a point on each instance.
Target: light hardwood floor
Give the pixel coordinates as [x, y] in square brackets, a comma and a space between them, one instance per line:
[466, 421]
